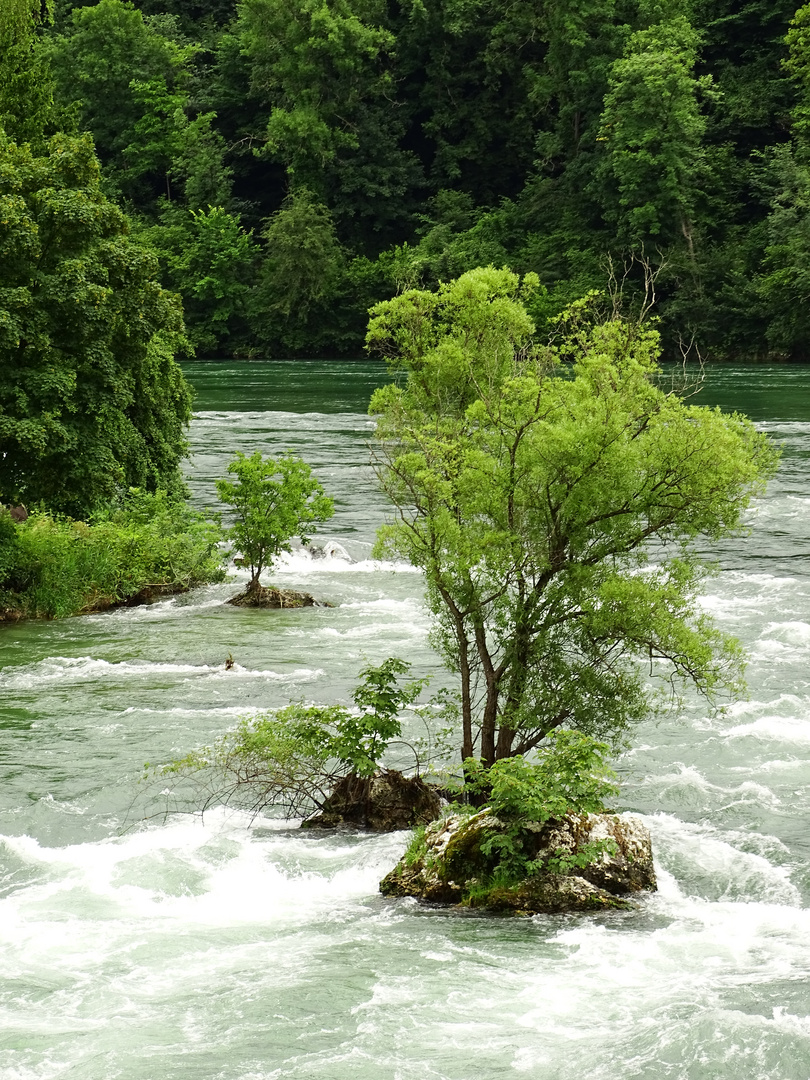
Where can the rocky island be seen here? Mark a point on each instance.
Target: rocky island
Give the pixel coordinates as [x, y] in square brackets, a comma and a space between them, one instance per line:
[583, 862]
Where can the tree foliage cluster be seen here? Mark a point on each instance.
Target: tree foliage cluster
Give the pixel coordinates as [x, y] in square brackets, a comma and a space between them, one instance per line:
[292, 163]
[291, 760]
[273, 500]
[552, 496]
[91, 399]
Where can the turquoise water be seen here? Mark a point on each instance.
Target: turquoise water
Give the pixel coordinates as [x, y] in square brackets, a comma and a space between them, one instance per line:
[170, 946]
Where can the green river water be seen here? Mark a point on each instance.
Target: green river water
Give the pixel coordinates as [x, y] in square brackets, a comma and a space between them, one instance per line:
[174, 948]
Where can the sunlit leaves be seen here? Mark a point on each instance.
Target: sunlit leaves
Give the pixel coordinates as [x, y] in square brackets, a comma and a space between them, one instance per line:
[273, 499]
[531, 497]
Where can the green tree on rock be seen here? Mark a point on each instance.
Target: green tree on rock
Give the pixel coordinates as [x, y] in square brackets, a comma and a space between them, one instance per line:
[551, 495]
[274, 499]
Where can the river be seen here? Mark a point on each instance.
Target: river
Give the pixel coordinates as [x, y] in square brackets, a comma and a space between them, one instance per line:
[173, 948]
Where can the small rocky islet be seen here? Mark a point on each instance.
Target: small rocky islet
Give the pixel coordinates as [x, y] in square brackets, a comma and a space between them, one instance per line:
[453, 864]
[450, 863]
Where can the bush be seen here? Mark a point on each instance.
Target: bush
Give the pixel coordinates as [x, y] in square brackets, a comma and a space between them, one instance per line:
[294, 758]
[569, 776]
[52, 566]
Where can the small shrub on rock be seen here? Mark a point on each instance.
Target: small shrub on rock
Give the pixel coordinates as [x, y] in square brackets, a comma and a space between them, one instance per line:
[325, 758]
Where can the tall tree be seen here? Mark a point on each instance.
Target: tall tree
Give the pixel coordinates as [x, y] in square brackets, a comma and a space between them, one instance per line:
[91, 399]
[128, 81]
[652, 128]
[325, 69]
[26, 88]
[529, 497]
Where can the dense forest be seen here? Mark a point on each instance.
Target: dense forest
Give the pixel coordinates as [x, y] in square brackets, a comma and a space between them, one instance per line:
[291, 162]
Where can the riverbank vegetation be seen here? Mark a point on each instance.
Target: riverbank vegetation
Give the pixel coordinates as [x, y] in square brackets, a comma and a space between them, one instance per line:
[149, 546]
[289, 165]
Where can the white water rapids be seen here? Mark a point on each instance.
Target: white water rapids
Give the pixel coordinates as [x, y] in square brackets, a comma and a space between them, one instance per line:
[175, 948]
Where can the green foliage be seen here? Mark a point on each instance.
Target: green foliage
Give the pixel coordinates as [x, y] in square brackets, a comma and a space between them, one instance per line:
[127, 79]
[293, 758]
[207, 257]
[91, 399]
[563, 862]
[325, 70]
[568, 775]
[362, 737]
[416, 848]
[27, 110]
[300, 273]
[389, 146]
[273, 499]
[52, 567]
[530, 495]
[652, 129]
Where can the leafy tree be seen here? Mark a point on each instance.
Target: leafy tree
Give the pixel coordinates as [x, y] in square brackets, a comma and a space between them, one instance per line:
[27, 109]
[531, 497]
[470, 71]
[569, 774]
[294, 758]
[274, 499]
[324, 67]
[300, 273]
[743, 49]
[207, 257]
[105, 60]
[91, 399]
[784, 272]
[652, 129]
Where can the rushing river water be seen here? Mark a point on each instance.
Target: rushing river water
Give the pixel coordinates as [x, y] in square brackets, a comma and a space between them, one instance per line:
[211, 949]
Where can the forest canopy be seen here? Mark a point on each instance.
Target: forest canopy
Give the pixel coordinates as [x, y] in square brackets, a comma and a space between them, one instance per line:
[92, 402]
[291, 164]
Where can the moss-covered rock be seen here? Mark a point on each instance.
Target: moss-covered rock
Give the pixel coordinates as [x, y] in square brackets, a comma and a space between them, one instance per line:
[452, 863]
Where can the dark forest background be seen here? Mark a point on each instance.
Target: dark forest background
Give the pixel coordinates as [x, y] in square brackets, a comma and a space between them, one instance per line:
[291, 162]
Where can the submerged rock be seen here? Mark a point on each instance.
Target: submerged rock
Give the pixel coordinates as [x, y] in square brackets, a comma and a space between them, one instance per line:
[385, 802]
[331, 549]
[449, 866]
[268, 597]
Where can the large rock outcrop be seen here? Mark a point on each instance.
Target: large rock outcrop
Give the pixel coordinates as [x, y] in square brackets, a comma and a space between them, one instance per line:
[449, 866]
[385, 802]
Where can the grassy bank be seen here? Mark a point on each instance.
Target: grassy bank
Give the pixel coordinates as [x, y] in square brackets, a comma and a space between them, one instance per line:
[51, 567]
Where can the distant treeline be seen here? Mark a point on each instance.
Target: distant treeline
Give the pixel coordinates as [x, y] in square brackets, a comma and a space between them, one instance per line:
[292, 162]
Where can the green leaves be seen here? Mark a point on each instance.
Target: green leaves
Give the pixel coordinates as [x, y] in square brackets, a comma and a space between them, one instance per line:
[274, 500]
[651, 131]
[91, 399]
[54, 567]
[325, 70]
[292, 759]
[568, 775]
[531, 497]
